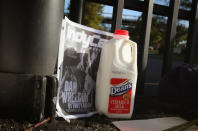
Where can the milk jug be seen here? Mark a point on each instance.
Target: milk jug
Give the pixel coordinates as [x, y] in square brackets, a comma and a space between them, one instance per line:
[117, 76]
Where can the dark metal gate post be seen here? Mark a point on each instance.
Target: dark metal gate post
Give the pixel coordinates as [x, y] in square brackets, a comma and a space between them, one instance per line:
[144, 45]
[76, 10]
[117, 14]
[194, 52]
[192, 41]
[170, 35]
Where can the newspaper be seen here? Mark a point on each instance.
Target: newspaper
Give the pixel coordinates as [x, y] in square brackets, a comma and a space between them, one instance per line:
[79, 56]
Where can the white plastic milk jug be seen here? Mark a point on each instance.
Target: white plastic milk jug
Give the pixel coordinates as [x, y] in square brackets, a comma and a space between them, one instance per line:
[117, 76]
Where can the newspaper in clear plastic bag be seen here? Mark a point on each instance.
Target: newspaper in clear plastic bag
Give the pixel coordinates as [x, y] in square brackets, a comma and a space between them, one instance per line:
[79, 56]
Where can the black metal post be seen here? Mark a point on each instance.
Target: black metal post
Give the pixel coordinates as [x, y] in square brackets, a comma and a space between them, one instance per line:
[51, 94]
[144, 44]
[117, 14]
[83, 11]
[194, 52]
[76, 10]
[192, 28]
[170, 37]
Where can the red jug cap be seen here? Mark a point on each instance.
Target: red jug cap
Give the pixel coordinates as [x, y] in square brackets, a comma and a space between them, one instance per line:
[121, 32]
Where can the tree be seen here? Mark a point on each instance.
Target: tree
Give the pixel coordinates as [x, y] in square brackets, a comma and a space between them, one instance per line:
[93, 15]
[158, 32]
[184, 4]
[182, 33]
[158, 29]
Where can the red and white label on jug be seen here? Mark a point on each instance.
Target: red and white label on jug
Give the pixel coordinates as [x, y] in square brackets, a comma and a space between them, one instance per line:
[120, 96]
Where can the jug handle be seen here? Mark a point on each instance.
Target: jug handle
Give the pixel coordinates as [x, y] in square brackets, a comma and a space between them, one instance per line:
[133, 48]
